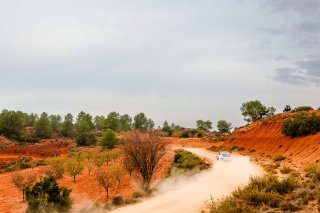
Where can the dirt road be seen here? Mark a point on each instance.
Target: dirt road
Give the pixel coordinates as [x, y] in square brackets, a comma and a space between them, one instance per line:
[188, 194]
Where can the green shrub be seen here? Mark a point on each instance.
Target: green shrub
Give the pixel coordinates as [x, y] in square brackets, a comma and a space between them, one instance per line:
[47, 196]
[118, 201]
[302, 108]
[241, 148]
[279, 158]
[273, 184]
[234, 148]
[86, 139]
[252, 150]
[137, 194]
[313, 171]
[230, 204]
[301, 125]
[290, 206]
[186, 160]
[285, 170]
[214, 148]
[109, 139]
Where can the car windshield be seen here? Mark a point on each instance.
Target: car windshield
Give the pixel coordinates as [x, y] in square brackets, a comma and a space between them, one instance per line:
[225, 154]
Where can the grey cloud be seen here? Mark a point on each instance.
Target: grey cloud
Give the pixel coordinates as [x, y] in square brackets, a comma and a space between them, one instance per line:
[290, 76]
[306, 71]
[302, 7]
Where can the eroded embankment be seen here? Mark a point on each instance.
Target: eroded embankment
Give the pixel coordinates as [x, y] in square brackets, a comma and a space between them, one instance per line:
[188, 194]
[265, 137]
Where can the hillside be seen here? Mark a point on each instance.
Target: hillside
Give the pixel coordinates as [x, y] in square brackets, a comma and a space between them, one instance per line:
[265, 137]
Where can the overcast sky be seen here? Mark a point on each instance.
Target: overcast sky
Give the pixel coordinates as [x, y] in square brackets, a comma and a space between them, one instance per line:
[178, 60]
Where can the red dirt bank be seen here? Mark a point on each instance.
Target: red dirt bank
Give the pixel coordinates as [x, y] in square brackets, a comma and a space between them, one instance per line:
[266, 138]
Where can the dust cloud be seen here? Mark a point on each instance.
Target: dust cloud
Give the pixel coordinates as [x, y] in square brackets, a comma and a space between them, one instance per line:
[189, 193]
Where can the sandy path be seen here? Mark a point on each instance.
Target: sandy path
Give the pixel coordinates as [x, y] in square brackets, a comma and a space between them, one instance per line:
[188, 194]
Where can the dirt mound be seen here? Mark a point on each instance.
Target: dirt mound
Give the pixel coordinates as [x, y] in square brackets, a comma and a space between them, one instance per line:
[264, 137]
[44, 148]
[4, 142]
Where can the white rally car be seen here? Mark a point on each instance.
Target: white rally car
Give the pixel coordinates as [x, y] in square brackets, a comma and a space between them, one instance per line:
[224, 156]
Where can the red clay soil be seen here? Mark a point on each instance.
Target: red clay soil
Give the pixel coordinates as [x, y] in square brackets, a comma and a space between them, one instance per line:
[266, 138]
[191, 142]
[86, 190]
[44, 148]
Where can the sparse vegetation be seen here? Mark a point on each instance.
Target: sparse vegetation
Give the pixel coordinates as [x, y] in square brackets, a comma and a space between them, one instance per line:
[279, 158]
[286, 170]
[261, 191]
[313, 171]
[302, 125]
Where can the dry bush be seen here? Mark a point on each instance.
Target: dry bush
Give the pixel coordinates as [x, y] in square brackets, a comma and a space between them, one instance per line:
[118, 173]
[128, 164]
[106, 180]
[23, 183]
[74, 167]
[144, 149]
[56, 167]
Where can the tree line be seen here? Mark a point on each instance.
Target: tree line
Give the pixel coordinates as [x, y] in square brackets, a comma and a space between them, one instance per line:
[12, 124]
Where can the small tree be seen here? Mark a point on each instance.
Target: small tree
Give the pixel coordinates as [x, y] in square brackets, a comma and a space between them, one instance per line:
[23, 183]
[47, 196]
[84, 135]
[99, 122]
[89, 166]
[126, 122]
[56, 167]
[109, 139]
[43, 126]
[11, 124]
[145, 151]
[107, 156]
[106, 180]
[140, 122]
[82, 116]
[128, 164]
[67, 126]
[255, 110]
[166, 128]
[74, 167]
[150, 124]
[98, 160]
[223, 126]
[113, 121]
[55, 122]
[204, 125]
[118, 173]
